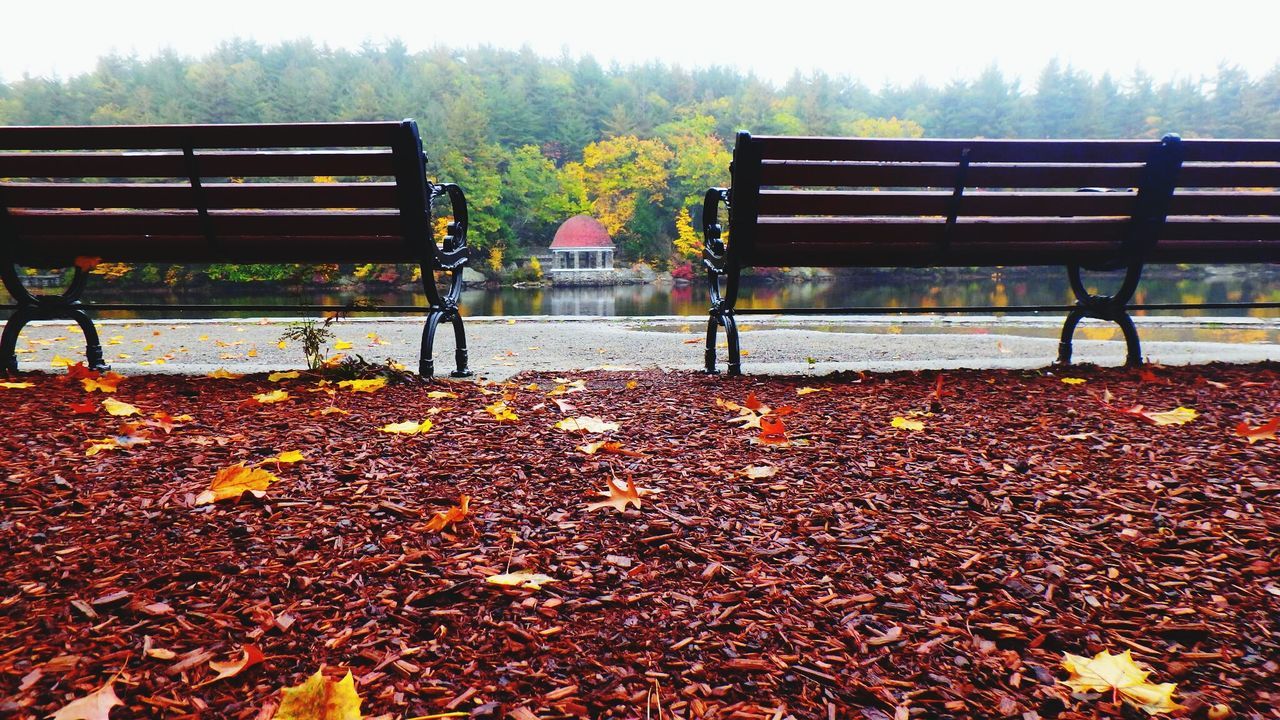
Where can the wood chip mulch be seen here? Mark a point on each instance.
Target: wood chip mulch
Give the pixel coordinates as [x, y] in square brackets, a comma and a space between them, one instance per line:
[880, 573]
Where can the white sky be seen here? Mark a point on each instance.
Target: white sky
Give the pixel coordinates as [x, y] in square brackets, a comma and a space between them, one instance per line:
[876, 42]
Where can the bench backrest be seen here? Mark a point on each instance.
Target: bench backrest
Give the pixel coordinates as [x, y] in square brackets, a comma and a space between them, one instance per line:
[215, 193]
[831, 202]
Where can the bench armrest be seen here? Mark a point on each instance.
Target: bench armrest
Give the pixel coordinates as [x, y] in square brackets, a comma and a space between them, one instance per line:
[713, 247]
[454, 253]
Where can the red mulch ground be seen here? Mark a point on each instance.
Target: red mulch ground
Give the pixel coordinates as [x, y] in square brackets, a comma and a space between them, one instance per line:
[880, 573]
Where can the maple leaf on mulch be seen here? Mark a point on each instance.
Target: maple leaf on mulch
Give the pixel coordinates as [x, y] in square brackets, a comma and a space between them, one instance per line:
[871, 572]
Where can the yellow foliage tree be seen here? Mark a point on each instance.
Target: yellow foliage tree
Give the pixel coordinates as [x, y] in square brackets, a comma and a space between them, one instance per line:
[688, 244]
[495, 258]
[884, 128]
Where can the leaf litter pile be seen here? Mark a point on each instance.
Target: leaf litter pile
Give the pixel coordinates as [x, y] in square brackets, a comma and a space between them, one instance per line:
[1084, 543]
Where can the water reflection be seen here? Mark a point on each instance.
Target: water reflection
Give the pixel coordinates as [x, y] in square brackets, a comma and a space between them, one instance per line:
[866, 288]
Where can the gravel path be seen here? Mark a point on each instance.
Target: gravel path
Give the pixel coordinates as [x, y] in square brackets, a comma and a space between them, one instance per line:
[501, 347]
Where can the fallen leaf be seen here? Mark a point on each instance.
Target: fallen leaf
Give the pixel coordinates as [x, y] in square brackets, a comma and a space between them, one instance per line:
[250, 655]
[521, 578]
[1120, 675]
[801, 392]
[441, 395]
[232, 482]
[564, 406]
[94, 706]
[59, 361]
[759, 472]
[567, 386]
[88, 407]
[107, 383]
[904, 424]
[585, 424]
[270, 398]
[367, 386]
[1177, 416]
[154, 652]
[753, 403]
[452, 516]
[1077, 436]
[408, 427]
[287, 457]
[320, 699]
[342, 345]
[772, 431]
[1266, 431]
[119, 442]
[608, 447]
[17, 385]
[278, 376]
[501, 412]
[282, 345]
[619, 497]
[224, 374]
[1074, 381]
[331, 410]
[80, 370]
[119, 409]
[632, 385]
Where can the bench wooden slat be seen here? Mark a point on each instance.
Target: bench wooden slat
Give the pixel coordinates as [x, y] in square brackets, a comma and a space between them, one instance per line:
[216, 195]
[925, 254]
[211, 164]
[942, 150]
[30, 224]
[935, 203]
[1222, 151]
[1229, 175]
[133, 137]
[848, 174]
[61, 251]
[994, 203]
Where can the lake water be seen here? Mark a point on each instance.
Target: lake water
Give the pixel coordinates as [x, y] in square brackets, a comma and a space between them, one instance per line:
[868, 288]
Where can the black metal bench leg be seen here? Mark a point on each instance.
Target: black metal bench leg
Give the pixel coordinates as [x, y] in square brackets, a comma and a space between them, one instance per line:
[731, 334]
[426, 365]
[1133, 347]
[712, 324]
[9, 340]
[92, 344]
[1068, 331]
[460, 351]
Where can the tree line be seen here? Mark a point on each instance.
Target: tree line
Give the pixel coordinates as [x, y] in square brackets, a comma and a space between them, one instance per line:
[534, 140]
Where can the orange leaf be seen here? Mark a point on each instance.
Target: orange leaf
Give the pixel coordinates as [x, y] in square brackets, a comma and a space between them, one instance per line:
[1266, 431]
[88, 407]
[107, 383]
[452, 516]
[609, 447]
[232, 482]
[80, 370]
[94, 706]
[752, 402]
[619, 497]
[772, 431]
[249, 657]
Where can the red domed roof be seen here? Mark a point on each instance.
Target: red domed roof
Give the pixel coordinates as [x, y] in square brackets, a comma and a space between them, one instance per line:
[582, 232]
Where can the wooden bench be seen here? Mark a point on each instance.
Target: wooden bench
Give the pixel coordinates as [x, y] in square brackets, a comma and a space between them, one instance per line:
[221, 194]
[857, 202]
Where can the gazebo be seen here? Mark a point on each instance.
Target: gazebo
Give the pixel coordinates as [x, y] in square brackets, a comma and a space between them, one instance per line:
[582, 243]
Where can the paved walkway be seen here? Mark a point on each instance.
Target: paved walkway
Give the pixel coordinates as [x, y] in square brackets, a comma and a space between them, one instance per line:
[501, 347]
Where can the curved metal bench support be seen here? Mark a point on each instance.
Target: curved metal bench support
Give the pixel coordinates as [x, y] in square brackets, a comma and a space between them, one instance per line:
[46, 307]
[451, 259]
[717, 263]
[1103, 307]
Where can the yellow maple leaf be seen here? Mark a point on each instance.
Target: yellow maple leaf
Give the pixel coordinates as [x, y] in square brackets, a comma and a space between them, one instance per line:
[521, 578]
[232, 482]
[441, 395]
[268, 398]
[342, 345]
[1177, 416]
[501, 412]
[801, 392]
[119, 409]
[287, 457]
[904, 424]
[224, 374]
[363, 385]
[1120, 675]
[16, 385]
[585, 424]
[320, 698]
[567, 386]
[407, 427]
[59, 361]
[331, 410]
[282, 345]
[278, 376]
[94, 706]
[1074, 381]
